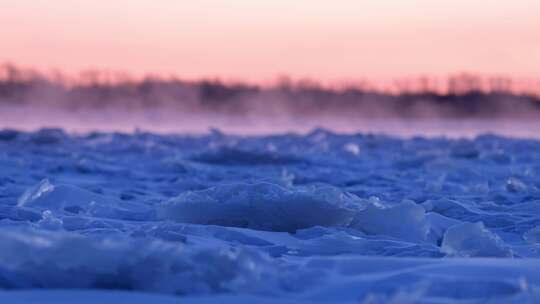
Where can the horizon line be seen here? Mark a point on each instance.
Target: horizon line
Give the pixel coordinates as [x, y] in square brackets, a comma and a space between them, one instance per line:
[464, 81]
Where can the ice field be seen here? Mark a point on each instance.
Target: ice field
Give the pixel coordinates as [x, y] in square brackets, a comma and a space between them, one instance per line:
[315, 218]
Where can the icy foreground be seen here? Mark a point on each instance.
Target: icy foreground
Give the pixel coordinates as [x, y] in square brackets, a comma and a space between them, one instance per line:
[320, 218]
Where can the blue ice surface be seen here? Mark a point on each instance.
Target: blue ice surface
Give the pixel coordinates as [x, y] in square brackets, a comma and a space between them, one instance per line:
[315, 218]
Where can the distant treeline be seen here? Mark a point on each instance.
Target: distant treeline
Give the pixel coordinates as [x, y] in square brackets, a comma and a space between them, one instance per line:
[461, 96]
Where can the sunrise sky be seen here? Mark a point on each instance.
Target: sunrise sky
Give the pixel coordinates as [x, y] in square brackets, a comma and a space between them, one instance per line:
[257, 40]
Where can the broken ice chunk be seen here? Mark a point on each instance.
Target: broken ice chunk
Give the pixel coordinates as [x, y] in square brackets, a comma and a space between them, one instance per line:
[262, 206]
[406, 221]
[473, 240]
[72, 199]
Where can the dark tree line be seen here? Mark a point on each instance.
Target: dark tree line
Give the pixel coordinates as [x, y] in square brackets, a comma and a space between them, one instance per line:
[462, 95]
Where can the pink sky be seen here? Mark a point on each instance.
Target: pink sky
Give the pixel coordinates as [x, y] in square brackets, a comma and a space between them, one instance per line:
[257, 40]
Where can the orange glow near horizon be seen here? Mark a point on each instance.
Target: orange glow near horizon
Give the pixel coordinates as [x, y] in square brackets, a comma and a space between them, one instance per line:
[329, 41]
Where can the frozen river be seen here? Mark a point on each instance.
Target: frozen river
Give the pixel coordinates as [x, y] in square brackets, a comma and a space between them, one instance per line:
[314, 218]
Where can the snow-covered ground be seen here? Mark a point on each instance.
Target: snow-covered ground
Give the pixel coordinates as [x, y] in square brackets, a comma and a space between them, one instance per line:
[315, 218]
